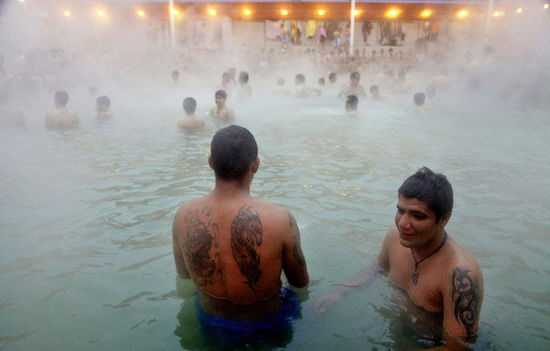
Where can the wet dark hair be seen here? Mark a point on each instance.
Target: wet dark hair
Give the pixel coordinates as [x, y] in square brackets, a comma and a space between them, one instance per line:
[321, 81]
[331, 75]
[243, 76]
[221, 93]
[351, 103]
[419, 99]
[233, 149]
[61, 98]
[354, 75]
[189, 105]
[301, 78]
[431, 188]
[103, 101]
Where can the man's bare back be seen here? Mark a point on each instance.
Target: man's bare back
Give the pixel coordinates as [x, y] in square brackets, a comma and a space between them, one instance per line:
[235, 248]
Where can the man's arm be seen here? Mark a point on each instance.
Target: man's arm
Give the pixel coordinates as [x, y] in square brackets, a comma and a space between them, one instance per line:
[361, 280]
[294, 262]
[462, 298]
[178, 255]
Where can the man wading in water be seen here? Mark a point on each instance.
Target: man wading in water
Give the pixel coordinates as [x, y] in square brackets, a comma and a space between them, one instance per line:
[422, 259]
[235, 248]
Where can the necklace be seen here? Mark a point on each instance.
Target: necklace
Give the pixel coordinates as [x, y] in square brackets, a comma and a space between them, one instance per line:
[416, 263]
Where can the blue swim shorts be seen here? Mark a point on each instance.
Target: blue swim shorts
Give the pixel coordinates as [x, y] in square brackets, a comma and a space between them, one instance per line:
[232, 332]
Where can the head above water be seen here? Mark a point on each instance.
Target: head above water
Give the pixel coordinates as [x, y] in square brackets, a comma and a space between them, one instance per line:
[232, 152]
[332, 77]
[431, 188]
[351, 103]
[103, 103]
[61, 98]
[419, 99]
[189, 105]
[226, 78]
[354, 77]
[221, 93]
[175, 75]
[243, 77]
[300, 78]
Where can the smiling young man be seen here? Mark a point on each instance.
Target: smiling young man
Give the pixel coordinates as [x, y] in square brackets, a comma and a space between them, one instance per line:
[422, 259]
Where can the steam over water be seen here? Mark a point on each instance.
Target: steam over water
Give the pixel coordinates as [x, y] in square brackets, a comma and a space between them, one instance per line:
[86, 214]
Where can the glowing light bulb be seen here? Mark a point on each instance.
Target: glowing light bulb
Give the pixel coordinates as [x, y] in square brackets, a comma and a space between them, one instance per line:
[356, 12]
[546, 6]
[212, 12]
[247, 12]
[462, 13]
[284, 12]
[141, 13]
[101, 13]
[392, 13]
[321, 12]
[67, 13]
[426, 13]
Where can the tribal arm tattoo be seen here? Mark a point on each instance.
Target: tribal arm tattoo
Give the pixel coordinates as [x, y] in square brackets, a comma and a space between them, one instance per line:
[466, 296]
[246, 237]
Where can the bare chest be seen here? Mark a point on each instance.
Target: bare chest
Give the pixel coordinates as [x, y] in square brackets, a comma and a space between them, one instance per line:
[426, 293]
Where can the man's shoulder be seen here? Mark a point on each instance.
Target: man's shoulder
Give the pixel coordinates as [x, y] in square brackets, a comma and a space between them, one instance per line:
[191, 204]
[270, 209]
[459, 267]
[461, 257]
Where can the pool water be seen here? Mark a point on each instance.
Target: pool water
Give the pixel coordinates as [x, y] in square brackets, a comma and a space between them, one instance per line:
[85, 220]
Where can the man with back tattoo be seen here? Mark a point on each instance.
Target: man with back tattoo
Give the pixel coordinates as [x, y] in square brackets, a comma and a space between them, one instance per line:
[234, 248]
[422, 259]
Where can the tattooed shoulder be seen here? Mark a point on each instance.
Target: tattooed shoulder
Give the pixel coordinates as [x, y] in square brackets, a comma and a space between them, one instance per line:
[466, 297]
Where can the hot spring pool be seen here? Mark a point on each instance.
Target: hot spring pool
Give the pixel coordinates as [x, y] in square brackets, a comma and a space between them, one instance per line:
[85, 221]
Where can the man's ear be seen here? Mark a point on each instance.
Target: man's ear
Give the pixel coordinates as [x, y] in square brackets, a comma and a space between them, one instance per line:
[444, 219]
[255, 165]
[210, 162]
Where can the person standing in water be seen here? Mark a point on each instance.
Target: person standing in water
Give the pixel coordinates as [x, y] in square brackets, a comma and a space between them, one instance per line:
[302, 90]
[235, 247]
[245, 90]
[422, 259]
[190, 120]
[353, 87]
[103, 105]
[61, 117]
[419, 99]
[221, 111]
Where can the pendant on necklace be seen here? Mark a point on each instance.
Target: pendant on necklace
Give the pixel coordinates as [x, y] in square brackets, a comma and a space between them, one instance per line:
[415, 275]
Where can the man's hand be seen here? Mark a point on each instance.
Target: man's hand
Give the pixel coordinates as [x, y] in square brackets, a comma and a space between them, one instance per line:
[324, 303]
